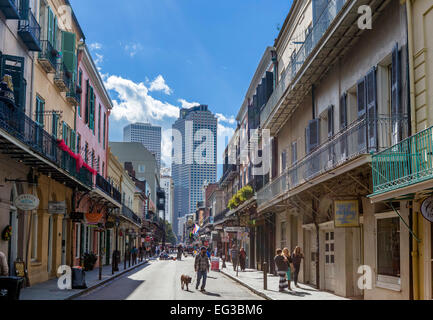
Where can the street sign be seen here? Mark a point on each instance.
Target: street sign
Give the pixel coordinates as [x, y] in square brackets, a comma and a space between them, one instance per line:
[427, 209]
[57, 207]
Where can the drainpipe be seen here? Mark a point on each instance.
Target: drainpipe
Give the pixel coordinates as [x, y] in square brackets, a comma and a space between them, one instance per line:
[411, 65]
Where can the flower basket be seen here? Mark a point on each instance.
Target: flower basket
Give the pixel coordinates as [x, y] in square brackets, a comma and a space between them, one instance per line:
[7, 233]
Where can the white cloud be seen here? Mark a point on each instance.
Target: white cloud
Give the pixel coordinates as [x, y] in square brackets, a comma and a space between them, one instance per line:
[133, 48]
[95, 46]
[186, 104]
[99, 59]
[159, 85]
[222, 118]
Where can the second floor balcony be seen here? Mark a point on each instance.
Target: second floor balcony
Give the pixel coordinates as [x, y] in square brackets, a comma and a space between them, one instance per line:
[403, 165]
[102, 184]
[29, 30]
[362, 137]
[229, 172]
[63, 77]
[73, 95]
[48, 56]
[128, 213]
[10, 9]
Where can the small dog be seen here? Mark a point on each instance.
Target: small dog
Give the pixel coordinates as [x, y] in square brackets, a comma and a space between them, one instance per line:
[185, 281]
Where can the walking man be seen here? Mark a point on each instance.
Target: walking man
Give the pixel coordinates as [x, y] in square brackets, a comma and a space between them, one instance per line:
[201, 266]
[235, 256]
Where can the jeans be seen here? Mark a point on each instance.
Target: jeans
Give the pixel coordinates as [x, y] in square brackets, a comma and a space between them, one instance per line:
[296, 274]
[201, 274]
[235, 263]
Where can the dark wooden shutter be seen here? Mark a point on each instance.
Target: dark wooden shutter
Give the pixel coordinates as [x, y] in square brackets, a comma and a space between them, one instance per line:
[269, 85]
[330, 121]
[87, 102]
[396, 103]
[343, 111]
[361, 101]
[313, 134]
[274, 157]
[371, 90]
[294, 152]
[92, 110]
[24, 9]
[283, 161]
[14, 66]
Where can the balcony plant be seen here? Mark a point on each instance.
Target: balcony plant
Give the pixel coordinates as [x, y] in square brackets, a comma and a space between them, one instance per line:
[89, 261]
[240, 197]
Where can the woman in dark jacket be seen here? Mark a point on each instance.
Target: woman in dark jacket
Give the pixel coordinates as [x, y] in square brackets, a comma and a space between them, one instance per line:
[297, 257]
[242, 259]
[282, 268]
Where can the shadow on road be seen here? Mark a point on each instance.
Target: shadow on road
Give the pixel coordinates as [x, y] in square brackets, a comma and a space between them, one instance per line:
[211, 294]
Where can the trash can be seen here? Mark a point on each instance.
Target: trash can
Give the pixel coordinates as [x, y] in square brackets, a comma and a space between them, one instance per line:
[10, 288]
[78, 278]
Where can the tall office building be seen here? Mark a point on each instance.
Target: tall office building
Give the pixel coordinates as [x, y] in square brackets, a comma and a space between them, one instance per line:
[188, 174]
[148, 135]
[166, 183]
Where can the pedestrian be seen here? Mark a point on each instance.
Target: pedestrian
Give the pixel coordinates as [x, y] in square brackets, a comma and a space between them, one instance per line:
[179, 252]
[4, 269]
[201, 267]
[282, 268]
[242, 259]
[234, 253]
[288, 259]
[297, 257]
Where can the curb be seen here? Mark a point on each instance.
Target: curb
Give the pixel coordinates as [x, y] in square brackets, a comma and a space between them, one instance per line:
[259, 293]
[99, 284]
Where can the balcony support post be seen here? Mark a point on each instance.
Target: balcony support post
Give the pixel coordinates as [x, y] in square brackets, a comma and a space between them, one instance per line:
[360, 183]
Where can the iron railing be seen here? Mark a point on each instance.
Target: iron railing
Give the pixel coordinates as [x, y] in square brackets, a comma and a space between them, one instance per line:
[29, 30]
[320, 26]
[220, 216]
[404, 164]
[106, 187]
[364, 136]
[63, 76]
[10, 8]
[48, 53]
[17, 124]
[72, 94]
[128, 213]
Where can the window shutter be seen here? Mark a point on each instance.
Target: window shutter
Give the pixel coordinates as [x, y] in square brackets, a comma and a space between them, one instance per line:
[73, 137]
[64, 131]
[24, 9]
[69, 53]
[331, 121]
[307, 140]
[314, 134]
[396, 82]
[371, 90]
[283, 161]
[343, 111]
[294, 152]
[87, 102]
[14, 66]
[92, 110]
[54, 125]
[50, 16]
[361, 98]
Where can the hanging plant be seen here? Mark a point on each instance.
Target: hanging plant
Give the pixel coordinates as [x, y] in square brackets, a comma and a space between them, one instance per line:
[7, 233]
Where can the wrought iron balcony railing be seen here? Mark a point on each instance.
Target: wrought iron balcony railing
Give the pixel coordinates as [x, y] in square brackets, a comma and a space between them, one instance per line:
[63, 77]
[73, 96]
[128, 213]
[29, 30]
[10, 8]
[105, 186]
[364, 136]
[48, 56]
[320, 26]
[406, 163]
[17, 124]
[220, 216]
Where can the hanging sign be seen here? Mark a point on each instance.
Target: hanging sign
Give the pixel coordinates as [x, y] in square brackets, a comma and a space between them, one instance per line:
[93, 218]
[235, 229]
[427, 209]
[346, 214]
[57, 207]
[76, 216]
[26, 202]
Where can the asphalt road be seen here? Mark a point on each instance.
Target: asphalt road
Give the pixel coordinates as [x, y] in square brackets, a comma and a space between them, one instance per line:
[160, 280]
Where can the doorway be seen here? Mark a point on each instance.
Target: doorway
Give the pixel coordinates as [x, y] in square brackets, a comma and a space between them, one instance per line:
[50, 245]
[329, 260]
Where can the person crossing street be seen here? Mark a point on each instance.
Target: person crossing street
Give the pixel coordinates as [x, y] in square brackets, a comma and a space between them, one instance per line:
[201, 267]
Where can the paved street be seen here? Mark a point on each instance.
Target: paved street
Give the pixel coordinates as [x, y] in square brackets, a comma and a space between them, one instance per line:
[160, 280]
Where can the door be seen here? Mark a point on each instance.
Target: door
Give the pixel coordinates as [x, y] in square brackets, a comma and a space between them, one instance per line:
[64, 237]
[13, 243]
[50, 245]
[329, 261]
[313, 251]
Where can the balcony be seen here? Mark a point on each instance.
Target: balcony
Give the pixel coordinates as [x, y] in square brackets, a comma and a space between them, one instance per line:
[48, 57]
[230, 171]
[27, 142]
[74, 95]
[63, 77]
[362, 137]
[334, 32]
[106, 187]
[29, 30]
[128, 213]
[405, 164]
[10, 9]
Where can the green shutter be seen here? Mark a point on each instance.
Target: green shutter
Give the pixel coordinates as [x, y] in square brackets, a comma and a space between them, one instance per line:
[24, 9]
[73, 137]
[55, 123]
[64, 131]
[14, 66]
[69, 52]
[87, 102]
[50, 25]
[92, 111]
[40, 107]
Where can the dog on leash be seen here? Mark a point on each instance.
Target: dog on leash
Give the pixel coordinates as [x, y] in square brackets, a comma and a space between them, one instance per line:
[185, 281]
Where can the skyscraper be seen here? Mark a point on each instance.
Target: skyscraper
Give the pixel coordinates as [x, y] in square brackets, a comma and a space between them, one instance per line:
[166, 183]
[189, 173]
[147, 134]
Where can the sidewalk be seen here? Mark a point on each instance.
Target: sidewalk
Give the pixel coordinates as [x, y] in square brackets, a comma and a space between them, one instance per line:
[49, 291]
[253, 280]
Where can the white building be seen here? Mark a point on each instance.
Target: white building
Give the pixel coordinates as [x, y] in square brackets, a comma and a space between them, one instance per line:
[167, 184]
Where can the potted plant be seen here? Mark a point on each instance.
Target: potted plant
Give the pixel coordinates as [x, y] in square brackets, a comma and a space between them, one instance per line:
[89, 261]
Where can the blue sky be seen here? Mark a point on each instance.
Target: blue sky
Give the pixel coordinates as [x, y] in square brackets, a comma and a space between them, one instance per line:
[157, 55]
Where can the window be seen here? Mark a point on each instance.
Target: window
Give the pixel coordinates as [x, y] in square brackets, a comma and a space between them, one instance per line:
[283, 161]
[141, 168]
[99, 125]
[78, 143]
[104, 132]
[283, 238]
[86, 153]
[55, 125]
[40, 109]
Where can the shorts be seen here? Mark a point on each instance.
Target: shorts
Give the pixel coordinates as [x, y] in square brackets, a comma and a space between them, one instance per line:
[288, 274]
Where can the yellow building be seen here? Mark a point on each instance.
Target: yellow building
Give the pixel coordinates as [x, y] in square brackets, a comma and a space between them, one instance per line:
[405, 170]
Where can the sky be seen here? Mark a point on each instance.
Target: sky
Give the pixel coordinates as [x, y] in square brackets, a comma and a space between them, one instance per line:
[156, 56]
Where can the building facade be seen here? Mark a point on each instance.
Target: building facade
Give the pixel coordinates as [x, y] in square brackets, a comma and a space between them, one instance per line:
[167, 184]
[147, 134]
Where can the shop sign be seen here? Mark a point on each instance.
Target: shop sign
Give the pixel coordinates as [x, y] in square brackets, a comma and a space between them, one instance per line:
[57, 207]
[235, 229]
[346, 214]
[26, 202]
[225, 239]
[427, 209]
[93, 218]
[109, 225]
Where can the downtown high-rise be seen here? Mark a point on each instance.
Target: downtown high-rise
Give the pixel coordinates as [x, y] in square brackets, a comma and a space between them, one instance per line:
[148, 135]
[197, 128]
